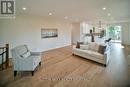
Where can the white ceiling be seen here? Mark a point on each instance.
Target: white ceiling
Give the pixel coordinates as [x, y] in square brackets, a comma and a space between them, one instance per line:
[76, 10]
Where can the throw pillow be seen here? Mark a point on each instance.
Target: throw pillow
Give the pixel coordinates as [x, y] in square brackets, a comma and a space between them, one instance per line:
[101, 49]
[81, 42]
[78, 44]
[27, 54]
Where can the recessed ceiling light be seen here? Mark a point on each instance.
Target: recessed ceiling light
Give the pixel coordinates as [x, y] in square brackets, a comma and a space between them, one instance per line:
[66, 17]
[103, 8]
[109, 14]
[24, 8]
[50, 14]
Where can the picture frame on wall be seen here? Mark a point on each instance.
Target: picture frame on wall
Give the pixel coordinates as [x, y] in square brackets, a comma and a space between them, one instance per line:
[49, 32]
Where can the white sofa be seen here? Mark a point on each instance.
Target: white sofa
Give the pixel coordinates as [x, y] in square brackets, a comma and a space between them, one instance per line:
[24, 60]
[90, 51]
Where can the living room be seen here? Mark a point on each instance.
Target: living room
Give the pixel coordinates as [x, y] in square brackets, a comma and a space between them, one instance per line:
[72, 21]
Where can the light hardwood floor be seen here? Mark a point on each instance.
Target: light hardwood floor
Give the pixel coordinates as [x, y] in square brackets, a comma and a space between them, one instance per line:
[61, 69]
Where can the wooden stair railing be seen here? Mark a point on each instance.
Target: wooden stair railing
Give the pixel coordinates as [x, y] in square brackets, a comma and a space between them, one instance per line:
[5, 53]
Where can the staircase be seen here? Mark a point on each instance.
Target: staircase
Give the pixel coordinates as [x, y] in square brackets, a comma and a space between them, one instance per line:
[4, 57]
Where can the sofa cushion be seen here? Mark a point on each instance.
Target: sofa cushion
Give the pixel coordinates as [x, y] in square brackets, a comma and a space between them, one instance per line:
[91, 53]
[92, 46]
[84, 47]
[84, 52]
[96, 47]
[97, 55]
[101, 49]
[27, 54]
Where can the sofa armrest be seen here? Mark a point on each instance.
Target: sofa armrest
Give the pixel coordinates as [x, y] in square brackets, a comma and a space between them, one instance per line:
[107, 55]
[106, 52]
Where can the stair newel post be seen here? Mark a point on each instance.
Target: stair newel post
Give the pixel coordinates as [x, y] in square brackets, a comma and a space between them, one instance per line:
[7, 55]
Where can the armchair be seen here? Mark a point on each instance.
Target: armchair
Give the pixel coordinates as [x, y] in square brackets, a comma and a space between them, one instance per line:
[25, 60]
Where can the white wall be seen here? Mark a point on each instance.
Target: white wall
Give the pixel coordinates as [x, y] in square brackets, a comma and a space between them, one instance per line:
[75, 32]
[125, 33]
[129, 32]
[27, 30]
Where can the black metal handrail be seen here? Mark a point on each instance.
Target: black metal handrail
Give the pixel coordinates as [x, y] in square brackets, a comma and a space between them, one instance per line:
[2, 53]
[5, 50]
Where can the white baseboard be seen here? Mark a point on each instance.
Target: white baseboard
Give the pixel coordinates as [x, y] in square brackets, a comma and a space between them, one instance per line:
[56, 47]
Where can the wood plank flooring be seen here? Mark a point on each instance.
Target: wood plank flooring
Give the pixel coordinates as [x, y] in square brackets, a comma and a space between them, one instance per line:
[61, 69]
